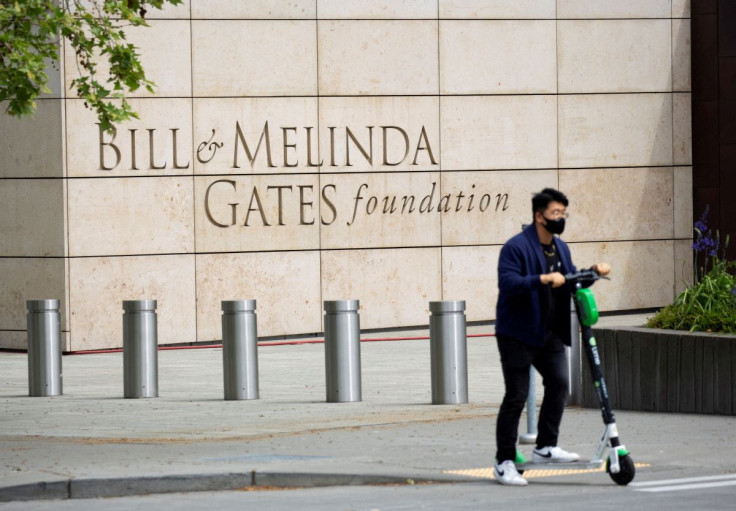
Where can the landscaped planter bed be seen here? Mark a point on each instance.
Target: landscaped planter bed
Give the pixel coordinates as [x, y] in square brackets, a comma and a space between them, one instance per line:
[665, 371]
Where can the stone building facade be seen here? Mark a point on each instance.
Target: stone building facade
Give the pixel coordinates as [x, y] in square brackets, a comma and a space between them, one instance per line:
[307, 150]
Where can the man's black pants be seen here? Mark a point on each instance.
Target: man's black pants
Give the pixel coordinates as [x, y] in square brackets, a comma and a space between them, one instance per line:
[516, 359]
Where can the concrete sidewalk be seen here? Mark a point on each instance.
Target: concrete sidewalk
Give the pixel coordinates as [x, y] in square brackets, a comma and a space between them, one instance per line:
[91, 442]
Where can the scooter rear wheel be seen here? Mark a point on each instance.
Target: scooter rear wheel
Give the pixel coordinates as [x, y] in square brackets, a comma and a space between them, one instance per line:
[627, 472]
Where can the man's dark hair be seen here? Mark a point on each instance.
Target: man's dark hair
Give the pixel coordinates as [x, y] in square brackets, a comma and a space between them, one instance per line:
[541, 200]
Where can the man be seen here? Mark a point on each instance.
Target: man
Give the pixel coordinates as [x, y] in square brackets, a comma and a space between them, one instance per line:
[532, 328]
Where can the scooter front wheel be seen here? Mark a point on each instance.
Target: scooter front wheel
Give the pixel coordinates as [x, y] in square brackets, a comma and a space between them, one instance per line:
[627, 472]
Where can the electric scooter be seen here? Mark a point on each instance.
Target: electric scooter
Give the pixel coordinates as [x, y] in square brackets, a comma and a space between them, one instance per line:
[619, 464]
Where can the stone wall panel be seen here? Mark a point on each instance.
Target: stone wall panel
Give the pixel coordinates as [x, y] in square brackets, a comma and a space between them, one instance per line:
[132, 216]
[256, 135]
[32, 147]
[642, 208]
[98, 286]
[529, 68]
[602, 130]
[394, 286]
[254, 9]
[619, 9]
[377, 9]
[169, 67]
[683, 185]
[499, 132]
[641, 272]
[257, 213]
[32, 223]
[380, 210]
[499, 9]
[488, 208]
[469, 273]
[253, 57]
[159, 143]
[682, 128]
[378, 57]
[386, 134]
[29, 279]
[614, 56]
[285, 285]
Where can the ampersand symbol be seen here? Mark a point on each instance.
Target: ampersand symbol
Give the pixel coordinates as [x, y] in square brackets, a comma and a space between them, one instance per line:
[211, 146]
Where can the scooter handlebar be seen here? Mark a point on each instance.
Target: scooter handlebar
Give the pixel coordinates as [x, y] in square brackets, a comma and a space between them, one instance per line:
[582, 275]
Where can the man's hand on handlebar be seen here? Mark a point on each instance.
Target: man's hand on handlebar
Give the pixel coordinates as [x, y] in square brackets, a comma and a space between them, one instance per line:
[598, 271]
[557, 279]
[602, 269]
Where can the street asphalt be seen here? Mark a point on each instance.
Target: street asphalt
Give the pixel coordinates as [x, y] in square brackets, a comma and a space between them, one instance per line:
[91, 442]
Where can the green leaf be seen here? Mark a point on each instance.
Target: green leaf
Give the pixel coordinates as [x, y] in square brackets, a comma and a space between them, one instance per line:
[30, 36]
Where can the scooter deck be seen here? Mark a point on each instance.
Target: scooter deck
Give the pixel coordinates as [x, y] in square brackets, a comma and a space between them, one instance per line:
[575, 465]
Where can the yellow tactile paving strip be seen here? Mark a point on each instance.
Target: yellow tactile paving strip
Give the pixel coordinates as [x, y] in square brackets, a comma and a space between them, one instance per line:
[487, 473]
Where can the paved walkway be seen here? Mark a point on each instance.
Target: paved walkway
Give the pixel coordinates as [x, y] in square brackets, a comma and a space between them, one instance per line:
[92, 442]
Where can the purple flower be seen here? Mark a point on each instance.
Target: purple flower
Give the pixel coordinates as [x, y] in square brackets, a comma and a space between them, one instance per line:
[716, 242]
[701, 225]
[705, 242]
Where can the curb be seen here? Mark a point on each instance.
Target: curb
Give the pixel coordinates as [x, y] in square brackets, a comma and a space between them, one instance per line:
[131, 486]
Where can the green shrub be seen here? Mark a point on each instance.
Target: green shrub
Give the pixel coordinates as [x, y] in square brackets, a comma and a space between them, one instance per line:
[709, 305]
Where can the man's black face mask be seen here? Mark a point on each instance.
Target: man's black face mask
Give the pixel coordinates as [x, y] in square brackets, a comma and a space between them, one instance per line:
[555, 226]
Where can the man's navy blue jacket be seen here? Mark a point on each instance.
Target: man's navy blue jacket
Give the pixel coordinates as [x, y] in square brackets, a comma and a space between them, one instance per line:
[518, 310]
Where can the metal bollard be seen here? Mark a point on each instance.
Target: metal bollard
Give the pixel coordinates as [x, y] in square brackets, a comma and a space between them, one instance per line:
[448, 351]
[140, 344]
[240, 349]
[530, 437]
[342, 351]
[44, 348]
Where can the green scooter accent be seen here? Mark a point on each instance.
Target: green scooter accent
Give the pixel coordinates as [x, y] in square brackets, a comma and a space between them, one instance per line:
[587, 306]
[519, 457]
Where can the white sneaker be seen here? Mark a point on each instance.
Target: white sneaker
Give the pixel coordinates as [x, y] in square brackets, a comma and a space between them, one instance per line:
[553, 455]
[506, 473]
